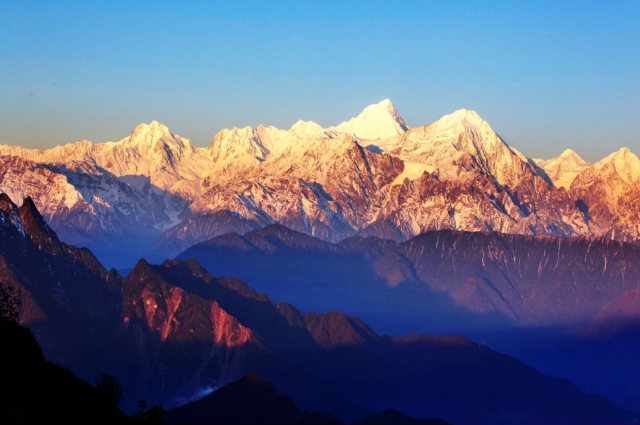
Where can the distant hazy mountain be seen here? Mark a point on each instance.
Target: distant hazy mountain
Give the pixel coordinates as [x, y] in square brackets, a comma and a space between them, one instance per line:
[524, 280]
[371, 174]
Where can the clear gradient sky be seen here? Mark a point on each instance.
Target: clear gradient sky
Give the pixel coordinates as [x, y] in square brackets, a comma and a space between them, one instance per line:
[546, 75]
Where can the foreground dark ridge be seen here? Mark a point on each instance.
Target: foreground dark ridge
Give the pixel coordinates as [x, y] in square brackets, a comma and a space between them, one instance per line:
[250, 400]
[33, 390]
[254, 400]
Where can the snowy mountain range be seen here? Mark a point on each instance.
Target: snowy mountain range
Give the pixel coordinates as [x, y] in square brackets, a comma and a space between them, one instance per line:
[371, 175]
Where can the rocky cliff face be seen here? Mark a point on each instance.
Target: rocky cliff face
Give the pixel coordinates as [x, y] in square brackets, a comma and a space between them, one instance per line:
[160, 317]
[190, 330]
[608, 191]
[537, 280]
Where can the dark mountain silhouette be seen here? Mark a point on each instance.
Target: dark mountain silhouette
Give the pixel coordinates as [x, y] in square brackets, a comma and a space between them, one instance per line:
[617, 316]
[33, 390]
[250, 400]
[391, 416]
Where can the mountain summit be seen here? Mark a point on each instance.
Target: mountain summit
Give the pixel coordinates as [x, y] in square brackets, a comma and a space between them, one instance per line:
[148, 136]
[461, 144]
[379, 121]
[466, 118]
[563, 169]
[625, 163]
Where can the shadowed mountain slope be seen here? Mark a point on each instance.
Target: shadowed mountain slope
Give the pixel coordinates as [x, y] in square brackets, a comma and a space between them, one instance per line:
[527, 280]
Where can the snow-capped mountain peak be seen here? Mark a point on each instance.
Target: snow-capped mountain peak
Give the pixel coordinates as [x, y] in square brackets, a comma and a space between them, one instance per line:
[153, 136]
[569, 153]
[563, 169]
[378, 121]
[466, 118]
[236, 143]
[245, 147]
[611, 190]
[307, 129]
[384, 106]
[624, 162]
[153, 129]
[455, 123]
[459, 143]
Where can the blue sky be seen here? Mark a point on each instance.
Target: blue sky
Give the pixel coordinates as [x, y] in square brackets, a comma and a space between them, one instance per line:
[546, 75]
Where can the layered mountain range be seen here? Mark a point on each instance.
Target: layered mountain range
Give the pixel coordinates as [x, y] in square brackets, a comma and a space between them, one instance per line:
[172, 332]
[372, 175]
[515, 280]
[566, 305]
